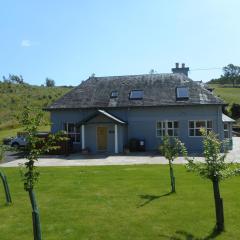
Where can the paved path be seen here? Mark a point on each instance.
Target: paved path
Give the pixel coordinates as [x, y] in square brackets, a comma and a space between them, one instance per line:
[98, 160]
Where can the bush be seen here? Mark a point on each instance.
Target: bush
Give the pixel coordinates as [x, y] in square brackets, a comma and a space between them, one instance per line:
[235, 110]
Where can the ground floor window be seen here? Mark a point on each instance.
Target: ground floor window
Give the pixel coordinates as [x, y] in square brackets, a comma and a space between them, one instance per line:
[73, 130]
[169, 128]
[195, 126]
[225, 129]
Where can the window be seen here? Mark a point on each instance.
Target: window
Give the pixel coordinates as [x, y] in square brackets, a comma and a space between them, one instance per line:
[73, 131]
[136, 94]
[182, 93]
[225, 129]
[167, 127]
[195, 126]
[114, 94]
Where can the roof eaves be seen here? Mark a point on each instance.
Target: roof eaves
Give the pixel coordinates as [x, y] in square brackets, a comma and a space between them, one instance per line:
[225, 118]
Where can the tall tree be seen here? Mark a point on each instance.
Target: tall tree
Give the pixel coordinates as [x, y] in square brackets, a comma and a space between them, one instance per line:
[231, 72]
[14, 79]
[50, 82]
[215, 169]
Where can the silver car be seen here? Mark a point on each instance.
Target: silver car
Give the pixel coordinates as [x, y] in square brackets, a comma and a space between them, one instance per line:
[19, 141]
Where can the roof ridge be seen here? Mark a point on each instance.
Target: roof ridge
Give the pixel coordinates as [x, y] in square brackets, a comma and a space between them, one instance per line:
[134, 75]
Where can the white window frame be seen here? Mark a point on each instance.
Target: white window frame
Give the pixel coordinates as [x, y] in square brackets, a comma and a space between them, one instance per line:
[226, 130]
[73, 133]
[167, 128]
[194, 128]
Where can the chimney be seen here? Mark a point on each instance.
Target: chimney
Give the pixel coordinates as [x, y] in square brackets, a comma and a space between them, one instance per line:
[183, 70]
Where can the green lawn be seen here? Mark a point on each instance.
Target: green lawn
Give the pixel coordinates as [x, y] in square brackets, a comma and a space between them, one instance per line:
[119, 202]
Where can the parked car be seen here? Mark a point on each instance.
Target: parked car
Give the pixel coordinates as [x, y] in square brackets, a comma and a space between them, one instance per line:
[18, 141]
[21, 141]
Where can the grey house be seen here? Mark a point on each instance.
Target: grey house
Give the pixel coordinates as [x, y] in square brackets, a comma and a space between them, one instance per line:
[104, 113]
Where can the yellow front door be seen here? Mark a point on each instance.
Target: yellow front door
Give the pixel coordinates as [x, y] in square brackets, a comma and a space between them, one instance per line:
[101, 138]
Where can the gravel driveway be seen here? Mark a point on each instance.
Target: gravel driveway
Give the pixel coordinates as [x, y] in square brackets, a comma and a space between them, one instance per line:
[98, 160]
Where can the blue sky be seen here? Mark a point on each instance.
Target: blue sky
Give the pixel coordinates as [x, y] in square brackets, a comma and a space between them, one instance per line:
[69, 40]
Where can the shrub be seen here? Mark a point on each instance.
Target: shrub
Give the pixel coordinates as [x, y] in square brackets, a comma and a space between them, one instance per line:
[235, 110]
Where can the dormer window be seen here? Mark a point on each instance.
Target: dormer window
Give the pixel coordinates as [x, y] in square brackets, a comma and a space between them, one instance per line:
[182, 93]
[136, 95]
[114, 94]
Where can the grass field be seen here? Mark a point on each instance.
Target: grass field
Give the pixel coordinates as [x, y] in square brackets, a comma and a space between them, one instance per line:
[228, 94]
[119, 202]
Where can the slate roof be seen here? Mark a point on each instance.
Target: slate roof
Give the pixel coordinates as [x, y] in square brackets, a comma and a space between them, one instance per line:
[159, 90]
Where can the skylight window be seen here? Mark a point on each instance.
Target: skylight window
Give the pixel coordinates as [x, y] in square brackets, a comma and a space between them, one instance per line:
[114, 94]
[182, 93]
[136, 94]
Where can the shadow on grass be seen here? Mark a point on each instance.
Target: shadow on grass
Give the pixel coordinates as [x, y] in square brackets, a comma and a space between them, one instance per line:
[149, 198]
[184, 235]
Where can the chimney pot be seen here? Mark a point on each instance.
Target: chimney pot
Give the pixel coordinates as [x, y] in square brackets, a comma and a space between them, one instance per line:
[182, 70]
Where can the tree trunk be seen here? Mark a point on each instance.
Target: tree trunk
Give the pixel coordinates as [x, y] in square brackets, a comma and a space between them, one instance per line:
[6, 188]
[218, 206]
[172, 177]
[35, 216]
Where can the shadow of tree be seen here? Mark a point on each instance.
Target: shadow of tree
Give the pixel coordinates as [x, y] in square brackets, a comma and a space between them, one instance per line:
[149, 198]
[184, 235]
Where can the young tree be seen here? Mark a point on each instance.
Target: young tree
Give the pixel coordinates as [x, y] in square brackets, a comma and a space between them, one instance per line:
[215, 169]
[171, 148]
[4, 178]
[35, 147]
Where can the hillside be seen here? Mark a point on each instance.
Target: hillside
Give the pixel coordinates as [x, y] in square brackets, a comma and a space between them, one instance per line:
[14, 96]
[228, 94]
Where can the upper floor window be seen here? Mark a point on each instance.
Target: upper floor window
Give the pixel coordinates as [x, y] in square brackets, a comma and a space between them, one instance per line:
[136, 94]
[73, 130]
[169, 128]
[114, 94]
[182, 93]
[195, 126]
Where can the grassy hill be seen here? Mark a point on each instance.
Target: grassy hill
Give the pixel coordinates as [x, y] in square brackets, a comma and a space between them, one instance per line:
[228, 94]
[14, 96]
